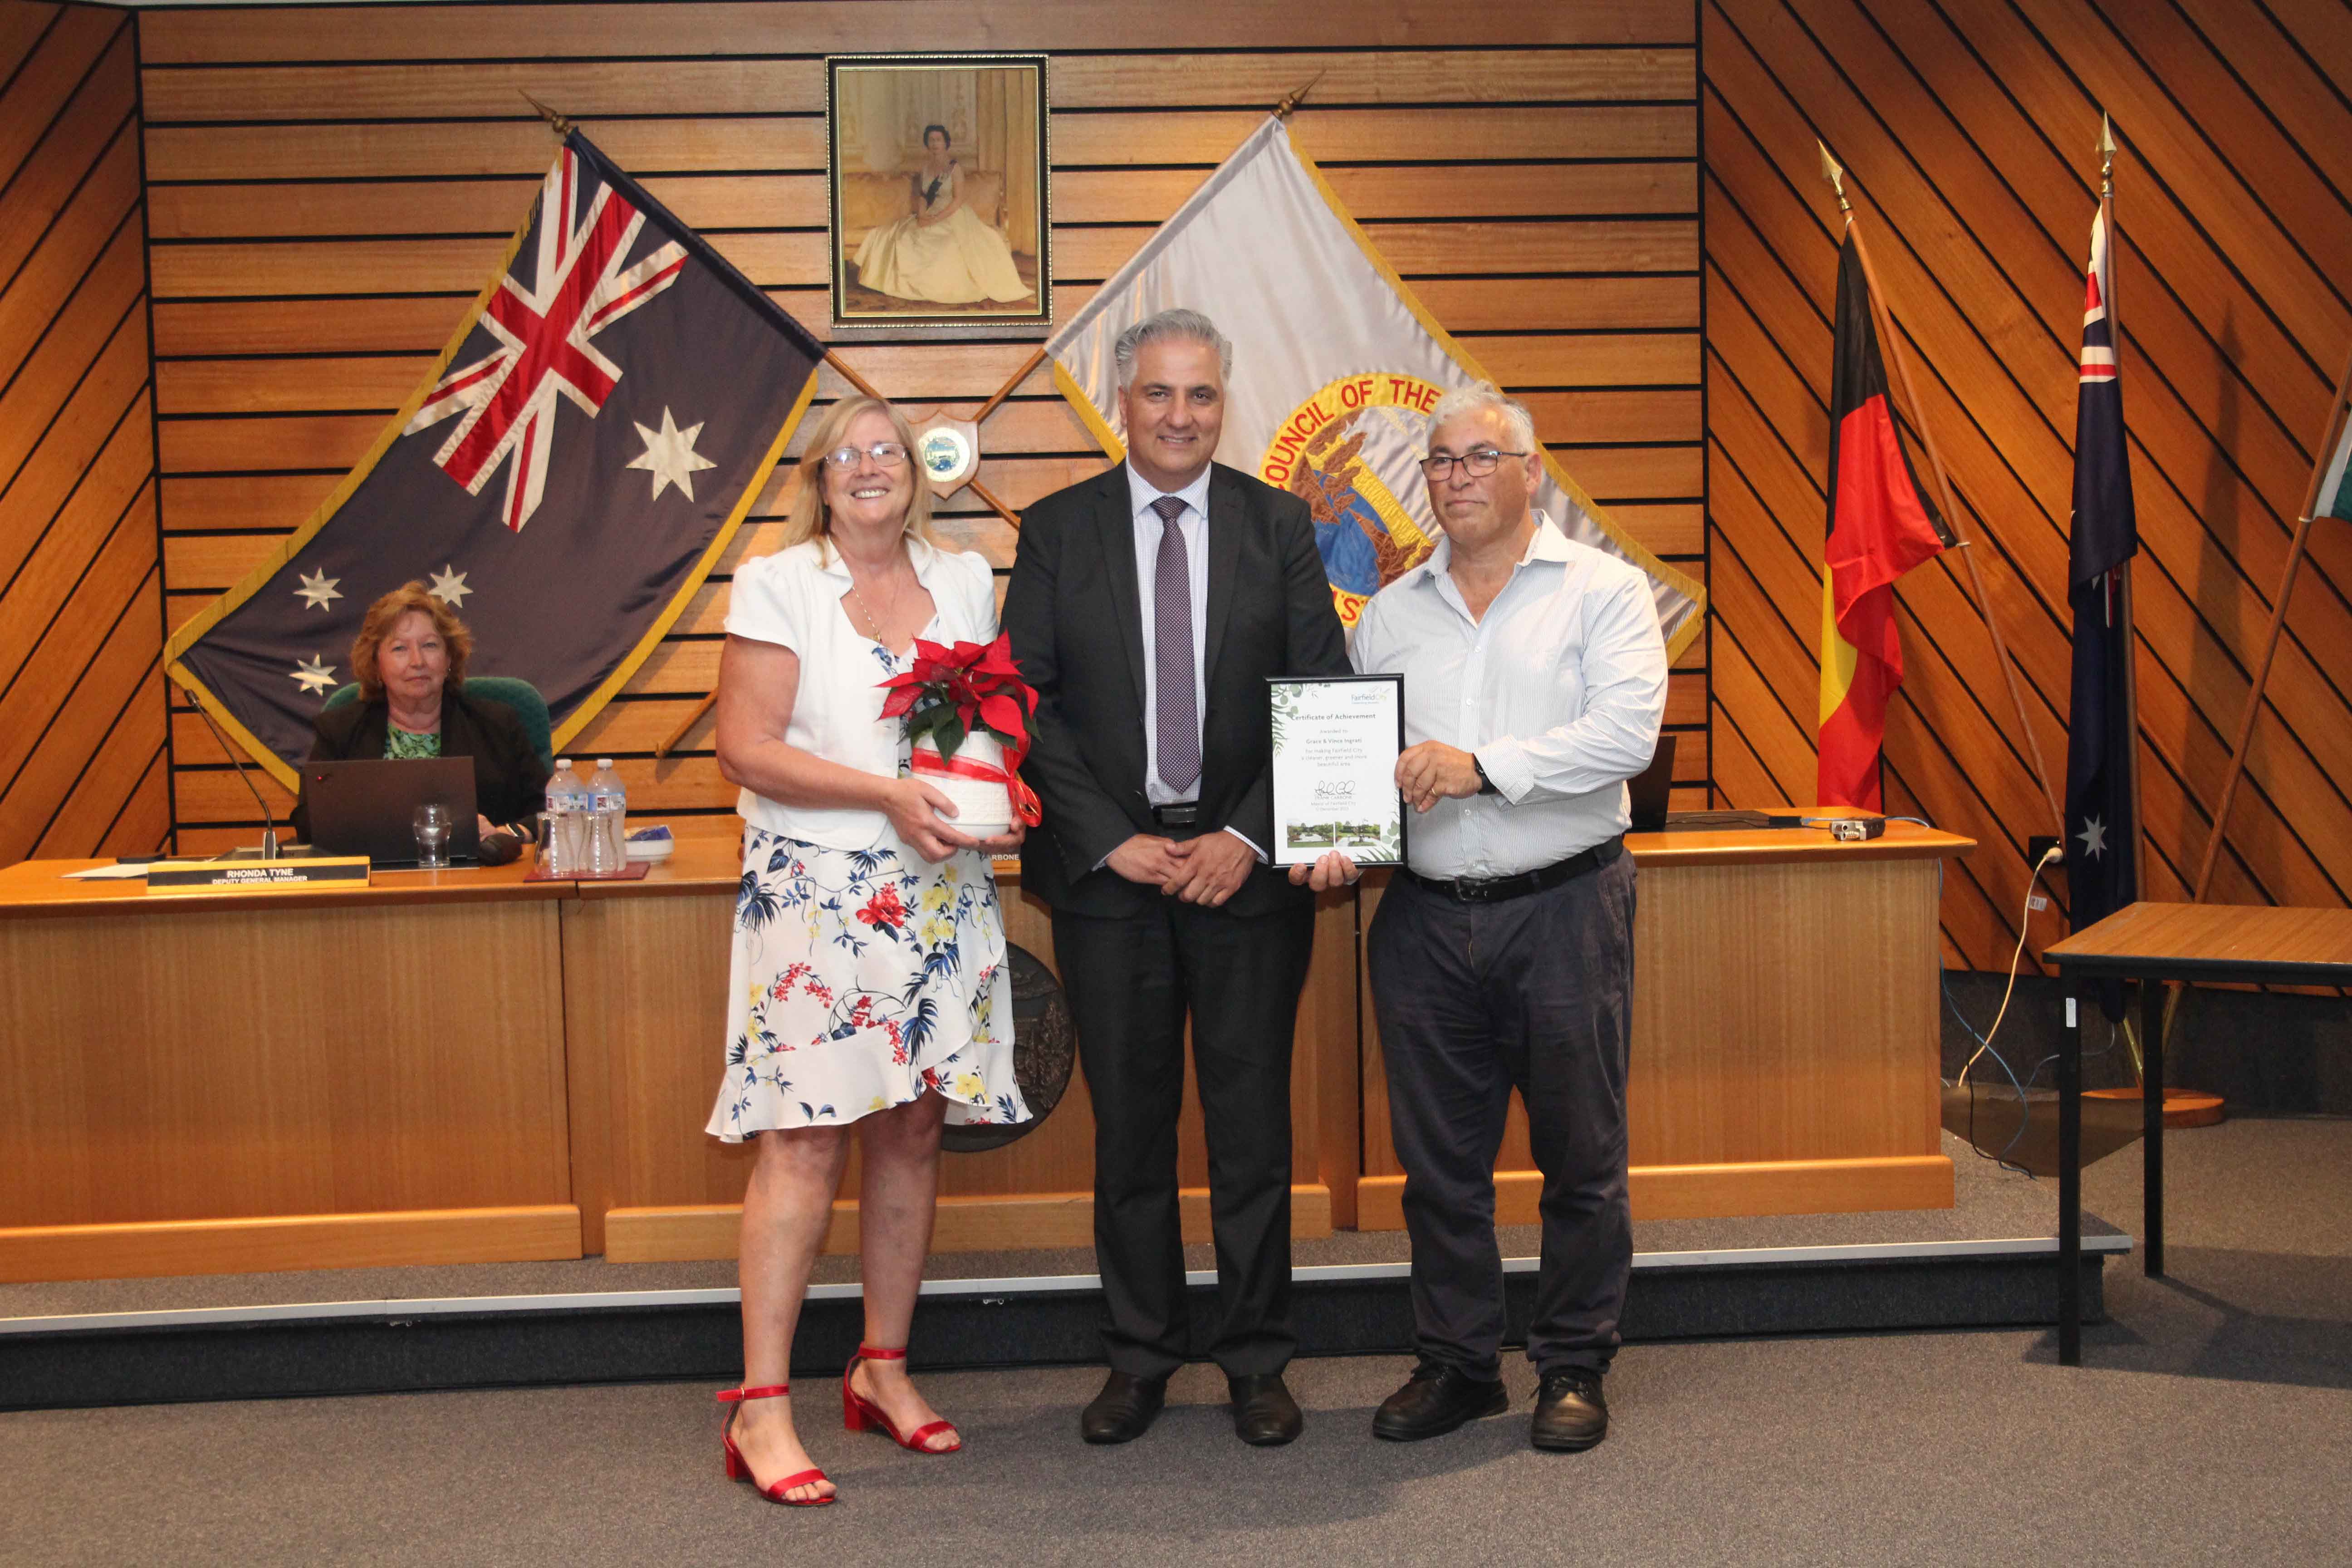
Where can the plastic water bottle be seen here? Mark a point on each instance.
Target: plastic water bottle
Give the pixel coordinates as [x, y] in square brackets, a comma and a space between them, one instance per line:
[567, 808]
[608, 817]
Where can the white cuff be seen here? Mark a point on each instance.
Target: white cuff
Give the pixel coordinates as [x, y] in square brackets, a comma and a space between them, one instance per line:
[1252, 843]
[1507, 768]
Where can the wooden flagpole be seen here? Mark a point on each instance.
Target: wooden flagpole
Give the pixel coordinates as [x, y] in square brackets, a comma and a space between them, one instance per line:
[2330, 434]
[1834, 173]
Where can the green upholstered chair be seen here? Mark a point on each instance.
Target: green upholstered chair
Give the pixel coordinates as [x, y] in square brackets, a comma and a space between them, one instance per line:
[519, 695]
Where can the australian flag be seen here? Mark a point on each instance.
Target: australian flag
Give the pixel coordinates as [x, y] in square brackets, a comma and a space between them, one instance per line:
[2102, 868]
[571, 467]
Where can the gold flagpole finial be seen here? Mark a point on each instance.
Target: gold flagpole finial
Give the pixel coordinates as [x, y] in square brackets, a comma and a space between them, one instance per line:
[559, 123]
[1292, 100]
[2106, 155]
[1834, 173]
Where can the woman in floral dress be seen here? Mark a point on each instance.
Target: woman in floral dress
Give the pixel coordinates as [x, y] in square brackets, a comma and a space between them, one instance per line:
[868, 990]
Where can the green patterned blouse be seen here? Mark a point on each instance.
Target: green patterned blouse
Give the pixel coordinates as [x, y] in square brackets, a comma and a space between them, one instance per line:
[401, 746]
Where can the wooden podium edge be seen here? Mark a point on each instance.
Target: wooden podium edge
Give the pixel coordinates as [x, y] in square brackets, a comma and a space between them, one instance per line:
[268, 1242]
[1715, 1192]
[694, 1232]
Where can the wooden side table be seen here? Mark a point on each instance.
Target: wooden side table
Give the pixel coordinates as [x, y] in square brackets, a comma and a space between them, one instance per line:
[2149, 944]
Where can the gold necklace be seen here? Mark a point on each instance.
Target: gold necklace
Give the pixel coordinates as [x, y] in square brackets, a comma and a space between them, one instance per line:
[872, 619]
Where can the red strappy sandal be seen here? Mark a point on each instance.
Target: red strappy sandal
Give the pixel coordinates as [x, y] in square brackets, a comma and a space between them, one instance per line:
[737, 1470]
[860, 1414]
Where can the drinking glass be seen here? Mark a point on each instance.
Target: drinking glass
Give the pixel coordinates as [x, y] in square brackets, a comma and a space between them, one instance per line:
[432, 825]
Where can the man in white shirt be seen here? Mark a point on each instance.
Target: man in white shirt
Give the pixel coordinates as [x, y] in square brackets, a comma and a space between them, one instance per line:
[1503, 956]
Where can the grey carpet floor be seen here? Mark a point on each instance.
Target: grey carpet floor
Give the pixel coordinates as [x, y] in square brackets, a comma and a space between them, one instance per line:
[2213, 1424]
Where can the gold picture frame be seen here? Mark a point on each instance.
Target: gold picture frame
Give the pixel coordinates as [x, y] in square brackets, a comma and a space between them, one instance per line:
[937, 192]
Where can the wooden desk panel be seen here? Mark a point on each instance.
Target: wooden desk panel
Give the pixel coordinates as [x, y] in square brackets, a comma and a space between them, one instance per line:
[1785, 1039]
[647, 964]
[179, 1075]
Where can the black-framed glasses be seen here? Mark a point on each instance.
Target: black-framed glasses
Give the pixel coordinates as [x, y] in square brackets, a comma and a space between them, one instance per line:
[886, 454]
[1478, 462]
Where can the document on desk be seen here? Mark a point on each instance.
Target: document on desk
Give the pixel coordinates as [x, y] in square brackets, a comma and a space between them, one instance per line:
[106, 873]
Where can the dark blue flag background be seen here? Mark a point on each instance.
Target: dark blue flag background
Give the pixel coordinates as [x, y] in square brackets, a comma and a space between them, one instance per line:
[569, 472]
[2101, 871]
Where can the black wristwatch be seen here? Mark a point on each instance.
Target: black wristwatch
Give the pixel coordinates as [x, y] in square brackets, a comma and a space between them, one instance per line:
[1486, 784]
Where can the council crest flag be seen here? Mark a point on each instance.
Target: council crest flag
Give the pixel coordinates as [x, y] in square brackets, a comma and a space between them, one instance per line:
[563, 477]
[1880, 526]
[1336, 366]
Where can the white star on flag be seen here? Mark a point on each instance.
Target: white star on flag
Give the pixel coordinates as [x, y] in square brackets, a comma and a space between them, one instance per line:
[316, 589]
[2094, 836]
[314, 676]
[670, 455]
[450, 587]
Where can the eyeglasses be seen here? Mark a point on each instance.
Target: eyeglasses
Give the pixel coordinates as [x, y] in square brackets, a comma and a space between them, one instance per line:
[1477, 464]
[886, 454]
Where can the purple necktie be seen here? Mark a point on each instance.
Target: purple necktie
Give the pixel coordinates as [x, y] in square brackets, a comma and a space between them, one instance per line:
[1175, 721]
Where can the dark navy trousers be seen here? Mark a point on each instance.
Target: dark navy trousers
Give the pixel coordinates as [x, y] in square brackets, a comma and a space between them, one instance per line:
[1475, 1000]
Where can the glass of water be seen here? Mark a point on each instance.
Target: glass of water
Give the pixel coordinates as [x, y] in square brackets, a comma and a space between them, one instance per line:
[432, 825]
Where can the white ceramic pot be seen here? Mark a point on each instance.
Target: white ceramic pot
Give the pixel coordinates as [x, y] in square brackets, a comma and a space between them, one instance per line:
[983, 805]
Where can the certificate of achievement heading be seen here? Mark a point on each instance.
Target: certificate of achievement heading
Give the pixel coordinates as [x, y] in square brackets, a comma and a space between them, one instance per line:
[1336, 741]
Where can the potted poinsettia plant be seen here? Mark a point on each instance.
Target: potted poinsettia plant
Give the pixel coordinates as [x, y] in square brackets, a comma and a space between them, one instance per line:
[966, 710]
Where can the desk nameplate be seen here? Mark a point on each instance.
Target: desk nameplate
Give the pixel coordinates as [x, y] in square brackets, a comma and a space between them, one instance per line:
[327, 871]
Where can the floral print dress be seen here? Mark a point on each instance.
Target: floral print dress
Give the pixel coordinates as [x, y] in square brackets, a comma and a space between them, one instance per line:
[862, 978]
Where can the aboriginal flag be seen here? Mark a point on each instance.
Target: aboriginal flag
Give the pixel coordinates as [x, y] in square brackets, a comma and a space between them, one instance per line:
[1880, 526]
[563, 477]
[2102, 868]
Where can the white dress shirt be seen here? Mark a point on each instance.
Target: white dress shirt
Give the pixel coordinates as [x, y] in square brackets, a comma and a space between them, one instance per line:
[1193, 524]
[1559, 690]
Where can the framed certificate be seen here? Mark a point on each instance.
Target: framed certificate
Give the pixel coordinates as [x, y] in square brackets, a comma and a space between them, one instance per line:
[1336, 740]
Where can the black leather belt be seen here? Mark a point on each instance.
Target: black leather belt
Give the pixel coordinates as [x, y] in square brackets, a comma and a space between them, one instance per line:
[1183, 813]
[1495, 890]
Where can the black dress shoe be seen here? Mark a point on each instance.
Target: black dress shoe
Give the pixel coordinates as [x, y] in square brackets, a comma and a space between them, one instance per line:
[1434, 1401]
[1570, 1415]
[1122, 1412]
[1264, 1416]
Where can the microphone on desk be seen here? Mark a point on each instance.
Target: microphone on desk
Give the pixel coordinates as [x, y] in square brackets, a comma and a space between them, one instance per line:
[269, 823]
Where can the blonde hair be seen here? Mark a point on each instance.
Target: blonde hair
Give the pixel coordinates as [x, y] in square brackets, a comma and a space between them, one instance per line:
[385, 614]
[810, 518]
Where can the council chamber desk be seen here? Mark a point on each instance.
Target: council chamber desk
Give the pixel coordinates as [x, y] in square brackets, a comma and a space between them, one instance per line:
[466, 1065]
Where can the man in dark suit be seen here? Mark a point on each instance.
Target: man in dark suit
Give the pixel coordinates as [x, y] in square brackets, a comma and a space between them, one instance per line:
[1148, 606]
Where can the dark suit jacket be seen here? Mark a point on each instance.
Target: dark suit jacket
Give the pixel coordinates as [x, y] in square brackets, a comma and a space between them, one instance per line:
[509, 781]
[1076, 617]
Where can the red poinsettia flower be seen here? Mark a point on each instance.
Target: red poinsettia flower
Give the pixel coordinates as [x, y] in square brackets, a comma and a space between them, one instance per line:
[949, 692]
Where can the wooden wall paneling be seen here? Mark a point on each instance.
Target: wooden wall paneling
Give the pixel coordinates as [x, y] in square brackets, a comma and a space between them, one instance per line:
[42, 285]
[82, 719]
[40, 89]
[123, 764]
[22, 27]
[1542, 196]
[106, 301]
[113, 385]
[1948, 117]
[44, 763]
[89, 528]
[101, 106]
[2166, 434]
[523, 32]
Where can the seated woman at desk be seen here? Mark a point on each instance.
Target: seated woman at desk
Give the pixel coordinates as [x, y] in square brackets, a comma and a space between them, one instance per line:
[410, 661]
[941, 251]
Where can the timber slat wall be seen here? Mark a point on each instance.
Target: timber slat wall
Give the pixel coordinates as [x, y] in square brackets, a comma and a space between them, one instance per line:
[1967, 128]
[83, 759]
[318, 222]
